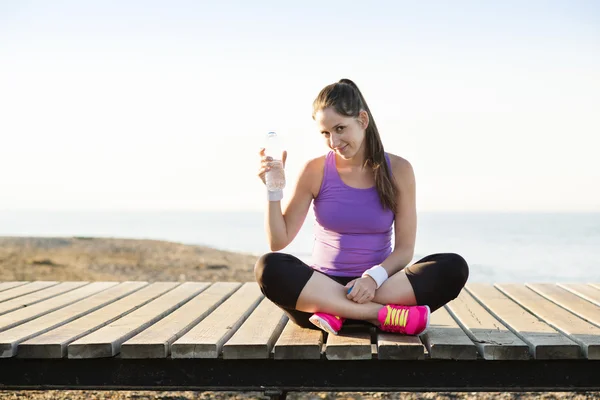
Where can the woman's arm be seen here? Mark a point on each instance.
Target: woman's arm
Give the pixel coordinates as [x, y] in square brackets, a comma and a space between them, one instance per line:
[405, 220]
[282, 227]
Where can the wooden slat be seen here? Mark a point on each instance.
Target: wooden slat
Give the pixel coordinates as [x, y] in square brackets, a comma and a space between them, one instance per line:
[72, 292]
[23, 296]
[9, 285]
[106, 341]
[155, 342]
[446, 340]
[596, 285]
[584, 291]
[493, 340]
[22, 290]
[256, 337]
[349, 345]
[391, 346]
[569, 301]
[206, 339]
[580, 331]
[11, 338]
[53, 344]
[544, 341]
[298, 343]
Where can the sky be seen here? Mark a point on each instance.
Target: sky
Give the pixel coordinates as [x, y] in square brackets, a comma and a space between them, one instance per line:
[148, 105]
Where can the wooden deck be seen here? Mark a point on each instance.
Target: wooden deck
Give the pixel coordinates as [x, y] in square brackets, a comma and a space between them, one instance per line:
[487, 329]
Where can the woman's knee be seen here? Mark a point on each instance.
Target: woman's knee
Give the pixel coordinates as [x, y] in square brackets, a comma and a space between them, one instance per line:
[439, 279]
[282, 277]
[268, 268]
[455, 271]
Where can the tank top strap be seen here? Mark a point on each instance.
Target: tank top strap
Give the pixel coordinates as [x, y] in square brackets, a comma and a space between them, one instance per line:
[387, 158]
[329, 170]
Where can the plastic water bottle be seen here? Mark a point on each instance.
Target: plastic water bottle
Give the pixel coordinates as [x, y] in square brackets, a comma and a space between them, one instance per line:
[275, 178]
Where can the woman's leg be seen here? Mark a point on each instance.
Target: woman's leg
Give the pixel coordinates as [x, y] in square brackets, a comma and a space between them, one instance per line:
[301, 291]
[323, 294]
[281, 277]
[432, 281]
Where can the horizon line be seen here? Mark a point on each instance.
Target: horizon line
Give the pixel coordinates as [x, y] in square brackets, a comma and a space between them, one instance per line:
[158, 210]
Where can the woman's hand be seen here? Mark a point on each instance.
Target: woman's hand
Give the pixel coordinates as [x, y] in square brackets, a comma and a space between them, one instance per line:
[265, 163]
[363, 289]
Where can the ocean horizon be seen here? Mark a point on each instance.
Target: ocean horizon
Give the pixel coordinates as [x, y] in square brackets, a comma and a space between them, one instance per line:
[499, 246]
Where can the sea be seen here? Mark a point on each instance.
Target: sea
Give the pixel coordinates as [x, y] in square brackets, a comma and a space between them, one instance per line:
[499, 247]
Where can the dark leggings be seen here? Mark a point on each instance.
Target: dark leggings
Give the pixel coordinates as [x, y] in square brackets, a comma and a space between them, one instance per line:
[436, 279]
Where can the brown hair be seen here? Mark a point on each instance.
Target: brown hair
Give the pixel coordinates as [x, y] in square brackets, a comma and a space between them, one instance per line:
[346, 99]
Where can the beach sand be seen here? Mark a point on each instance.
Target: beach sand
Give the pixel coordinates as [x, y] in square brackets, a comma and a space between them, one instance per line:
[94, 259]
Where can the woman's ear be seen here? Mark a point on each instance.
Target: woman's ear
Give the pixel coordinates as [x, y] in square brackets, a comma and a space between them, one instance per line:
[363, 119]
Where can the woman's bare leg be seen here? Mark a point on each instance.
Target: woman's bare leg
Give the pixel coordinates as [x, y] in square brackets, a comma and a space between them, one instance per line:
[323, 294]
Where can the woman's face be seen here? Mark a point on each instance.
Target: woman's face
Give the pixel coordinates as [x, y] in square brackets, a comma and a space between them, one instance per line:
[344, 135]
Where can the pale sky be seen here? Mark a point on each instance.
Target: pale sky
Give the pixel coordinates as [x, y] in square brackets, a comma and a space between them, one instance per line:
[149, 105]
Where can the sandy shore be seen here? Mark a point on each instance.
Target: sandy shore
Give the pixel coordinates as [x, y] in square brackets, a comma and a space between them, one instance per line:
[26, 258]
[118, 259]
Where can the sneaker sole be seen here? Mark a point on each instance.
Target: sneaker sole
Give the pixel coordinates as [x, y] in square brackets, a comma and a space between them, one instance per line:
[321, 323]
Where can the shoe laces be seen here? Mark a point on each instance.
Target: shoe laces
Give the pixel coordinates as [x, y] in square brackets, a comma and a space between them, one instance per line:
[396, 318]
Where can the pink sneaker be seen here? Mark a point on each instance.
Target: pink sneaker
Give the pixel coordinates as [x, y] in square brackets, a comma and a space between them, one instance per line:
[327, 322]
[408, 320]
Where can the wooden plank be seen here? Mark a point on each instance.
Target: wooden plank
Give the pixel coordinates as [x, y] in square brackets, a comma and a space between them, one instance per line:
[206, 339]
[544, 342]
[596, 285]
[391, 346]
[584, 291]
[493, 340]
[155, 342]
[106, 341]
[25, 289]
[71, 292]
[298, 343]
[38, 296]
[446, 340]
[11, 338]
[256, 337]
[12, 284]
[349, 345]
[53, 344]
[569, 301]
[578, 330]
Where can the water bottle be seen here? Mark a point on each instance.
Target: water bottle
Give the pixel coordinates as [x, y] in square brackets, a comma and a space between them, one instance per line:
[275, 178]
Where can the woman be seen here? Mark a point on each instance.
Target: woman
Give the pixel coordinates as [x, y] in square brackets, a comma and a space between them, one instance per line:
[360, 194]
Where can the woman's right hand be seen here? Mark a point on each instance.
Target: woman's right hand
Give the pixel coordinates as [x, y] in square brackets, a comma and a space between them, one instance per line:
[265, 163]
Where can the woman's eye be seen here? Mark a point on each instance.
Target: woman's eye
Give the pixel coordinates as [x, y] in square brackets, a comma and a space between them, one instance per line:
[325, 134]
[339, 128]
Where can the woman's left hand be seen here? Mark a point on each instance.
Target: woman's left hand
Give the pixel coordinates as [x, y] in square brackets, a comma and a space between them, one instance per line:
[363, 289]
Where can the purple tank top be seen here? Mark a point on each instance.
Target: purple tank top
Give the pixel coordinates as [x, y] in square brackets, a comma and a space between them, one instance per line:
[353, 232]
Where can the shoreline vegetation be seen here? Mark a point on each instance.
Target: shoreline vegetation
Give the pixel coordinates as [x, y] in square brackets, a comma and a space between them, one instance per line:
[96, 259]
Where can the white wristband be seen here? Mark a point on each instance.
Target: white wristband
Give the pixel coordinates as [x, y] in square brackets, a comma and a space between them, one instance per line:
[378, 273]
[276, 195]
